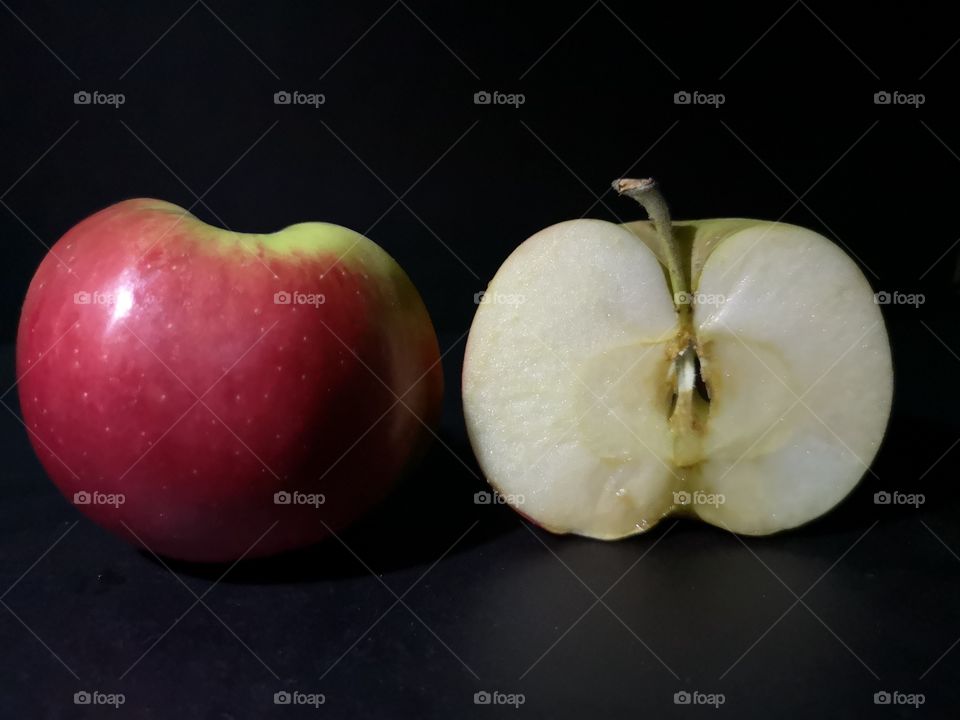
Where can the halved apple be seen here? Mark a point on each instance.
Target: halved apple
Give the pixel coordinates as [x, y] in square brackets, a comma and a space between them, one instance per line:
[738, 370]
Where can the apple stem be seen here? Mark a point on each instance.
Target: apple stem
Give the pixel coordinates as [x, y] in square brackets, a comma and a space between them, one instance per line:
[645, 192]
[689, 412]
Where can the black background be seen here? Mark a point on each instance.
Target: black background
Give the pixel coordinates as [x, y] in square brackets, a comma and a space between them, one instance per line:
[400, 152]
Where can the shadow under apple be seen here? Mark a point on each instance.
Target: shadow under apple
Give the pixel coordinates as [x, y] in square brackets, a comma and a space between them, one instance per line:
[430, 508]
[434, 504]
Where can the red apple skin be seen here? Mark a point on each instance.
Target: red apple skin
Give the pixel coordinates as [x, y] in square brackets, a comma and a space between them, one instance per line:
[292, 397]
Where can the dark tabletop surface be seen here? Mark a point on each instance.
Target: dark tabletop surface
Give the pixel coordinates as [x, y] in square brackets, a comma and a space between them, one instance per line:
[433, 598]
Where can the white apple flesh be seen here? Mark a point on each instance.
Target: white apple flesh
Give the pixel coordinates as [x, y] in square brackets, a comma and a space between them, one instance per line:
[580, 381]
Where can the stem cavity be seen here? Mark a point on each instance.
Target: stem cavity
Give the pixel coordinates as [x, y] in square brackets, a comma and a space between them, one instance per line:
[646, 192]
[688, 415]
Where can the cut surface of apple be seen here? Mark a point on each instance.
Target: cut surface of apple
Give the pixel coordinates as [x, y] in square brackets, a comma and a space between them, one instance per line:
[738, 370]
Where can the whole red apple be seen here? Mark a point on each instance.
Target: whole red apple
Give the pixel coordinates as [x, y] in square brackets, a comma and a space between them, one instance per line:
[211, 395]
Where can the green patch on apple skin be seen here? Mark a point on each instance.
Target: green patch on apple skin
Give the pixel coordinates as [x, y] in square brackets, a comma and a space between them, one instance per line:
[309, 239]
[302, 241]
[326, 244]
